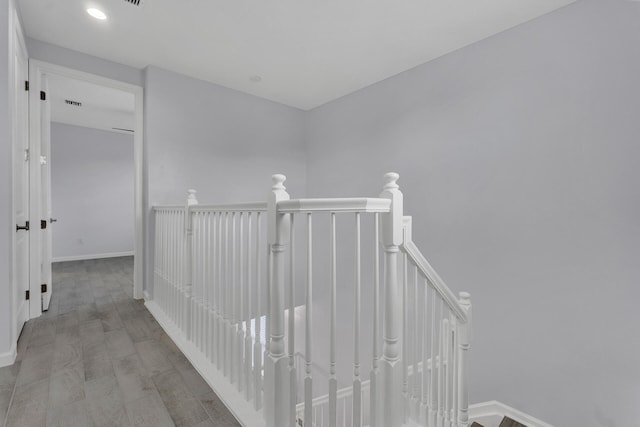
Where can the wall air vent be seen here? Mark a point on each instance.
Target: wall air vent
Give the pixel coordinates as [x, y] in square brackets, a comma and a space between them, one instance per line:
[138, 3]
[74, 103]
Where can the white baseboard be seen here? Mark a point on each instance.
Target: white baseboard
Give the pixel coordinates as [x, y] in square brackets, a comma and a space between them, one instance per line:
[9, 357]
[490, 413]
[235, 402]
[93, 256]
[146, 295]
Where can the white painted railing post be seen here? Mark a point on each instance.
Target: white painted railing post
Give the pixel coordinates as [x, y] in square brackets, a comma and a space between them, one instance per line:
[464, 340]
[390, 380]
[276, 387]
[187, 266]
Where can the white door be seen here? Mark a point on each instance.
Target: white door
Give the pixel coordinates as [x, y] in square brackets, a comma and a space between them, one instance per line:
[20, 139]
[45, 188]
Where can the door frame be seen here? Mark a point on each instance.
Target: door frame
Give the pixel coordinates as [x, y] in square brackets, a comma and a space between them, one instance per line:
[15, 37]
[38, 69]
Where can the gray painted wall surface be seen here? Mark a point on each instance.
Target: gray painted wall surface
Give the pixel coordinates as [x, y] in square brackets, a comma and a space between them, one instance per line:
[223, 143]
[6, 207]
[518, 158]
[92, 181]
[80, 61]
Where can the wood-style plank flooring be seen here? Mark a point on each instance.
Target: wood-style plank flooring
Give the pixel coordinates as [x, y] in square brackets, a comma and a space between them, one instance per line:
[98, 358]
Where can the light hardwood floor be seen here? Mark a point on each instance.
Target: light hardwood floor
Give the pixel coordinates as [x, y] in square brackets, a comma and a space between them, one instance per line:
[98, 358]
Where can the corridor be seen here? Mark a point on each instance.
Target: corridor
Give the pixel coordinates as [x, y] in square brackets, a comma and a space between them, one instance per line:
[98, 358]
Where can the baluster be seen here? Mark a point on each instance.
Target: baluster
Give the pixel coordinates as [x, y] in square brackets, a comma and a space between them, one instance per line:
[208, 308]
[173, 257]
[405, 338]
[177, 280]
[432, 375]
[292, 309]
[425, 360]
[357, 382]
[195, 263]
[199, 290]
[227, 299]
[179, 264]
[176, 266]
[197, 294]
[454, 369]
[219, 296]
[308, 380]
[239, 304]
[440, 358]
[200, 305]
[212, 287]
[247, 316]
[233, 354]
[376, 322]
[216, 289]
[163, 254]
[333, 381]
[156, 252]
[267, 322]
[169, 262]
[447, 365]
[257, 319]
[415, 398]
[464, 335]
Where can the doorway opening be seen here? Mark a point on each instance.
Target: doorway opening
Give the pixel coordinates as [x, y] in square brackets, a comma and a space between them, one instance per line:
[87, 133]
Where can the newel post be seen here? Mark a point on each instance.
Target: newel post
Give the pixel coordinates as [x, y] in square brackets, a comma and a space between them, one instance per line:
[390, 384]
[276, 369]
[187, 267]
[464, 342]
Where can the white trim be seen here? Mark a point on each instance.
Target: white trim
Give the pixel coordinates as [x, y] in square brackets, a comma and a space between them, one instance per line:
[486, 412]
[93, 256]
[234, 400]
[138, 93]
[9, 358]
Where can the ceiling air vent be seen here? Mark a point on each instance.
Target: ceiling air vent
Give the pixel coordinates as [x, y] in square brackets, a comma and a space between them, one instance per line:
[74, 103]
[138, 3]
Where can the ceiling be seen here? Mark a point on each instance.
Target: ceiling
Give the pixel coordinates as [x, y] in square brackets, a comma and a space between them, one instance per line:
[305, 53]
[102, 107]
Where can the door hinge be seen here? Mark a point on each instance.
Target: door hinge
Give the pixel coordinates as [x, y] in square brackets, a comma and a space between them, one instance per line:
[43, 288]
[43, 224]
[26, 85]
[26, 155]
[43, 96]
[26, 294]
[23, 227]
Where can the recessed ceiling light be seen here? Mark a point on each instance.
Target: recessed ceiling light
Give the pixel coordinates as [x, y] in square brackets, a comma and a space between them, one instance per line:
[97, 13]
[255, 79]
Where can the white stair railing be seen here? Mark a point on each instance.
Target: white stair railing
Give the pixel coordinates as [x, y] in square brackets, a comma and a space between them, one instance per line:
[226, 276]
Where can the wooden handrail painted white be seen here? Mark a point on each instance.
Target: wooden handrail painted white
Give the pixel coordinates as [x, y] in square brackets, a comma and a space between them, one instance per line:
[166, 207]
[232, 207]
[357, 204]
[430, 273]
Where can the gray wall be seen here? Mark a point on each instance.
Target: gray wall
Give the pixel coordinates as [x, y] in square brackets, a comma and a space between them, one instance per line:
[518, 158]
[6, 207]
[92, 181]
[221, 142]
